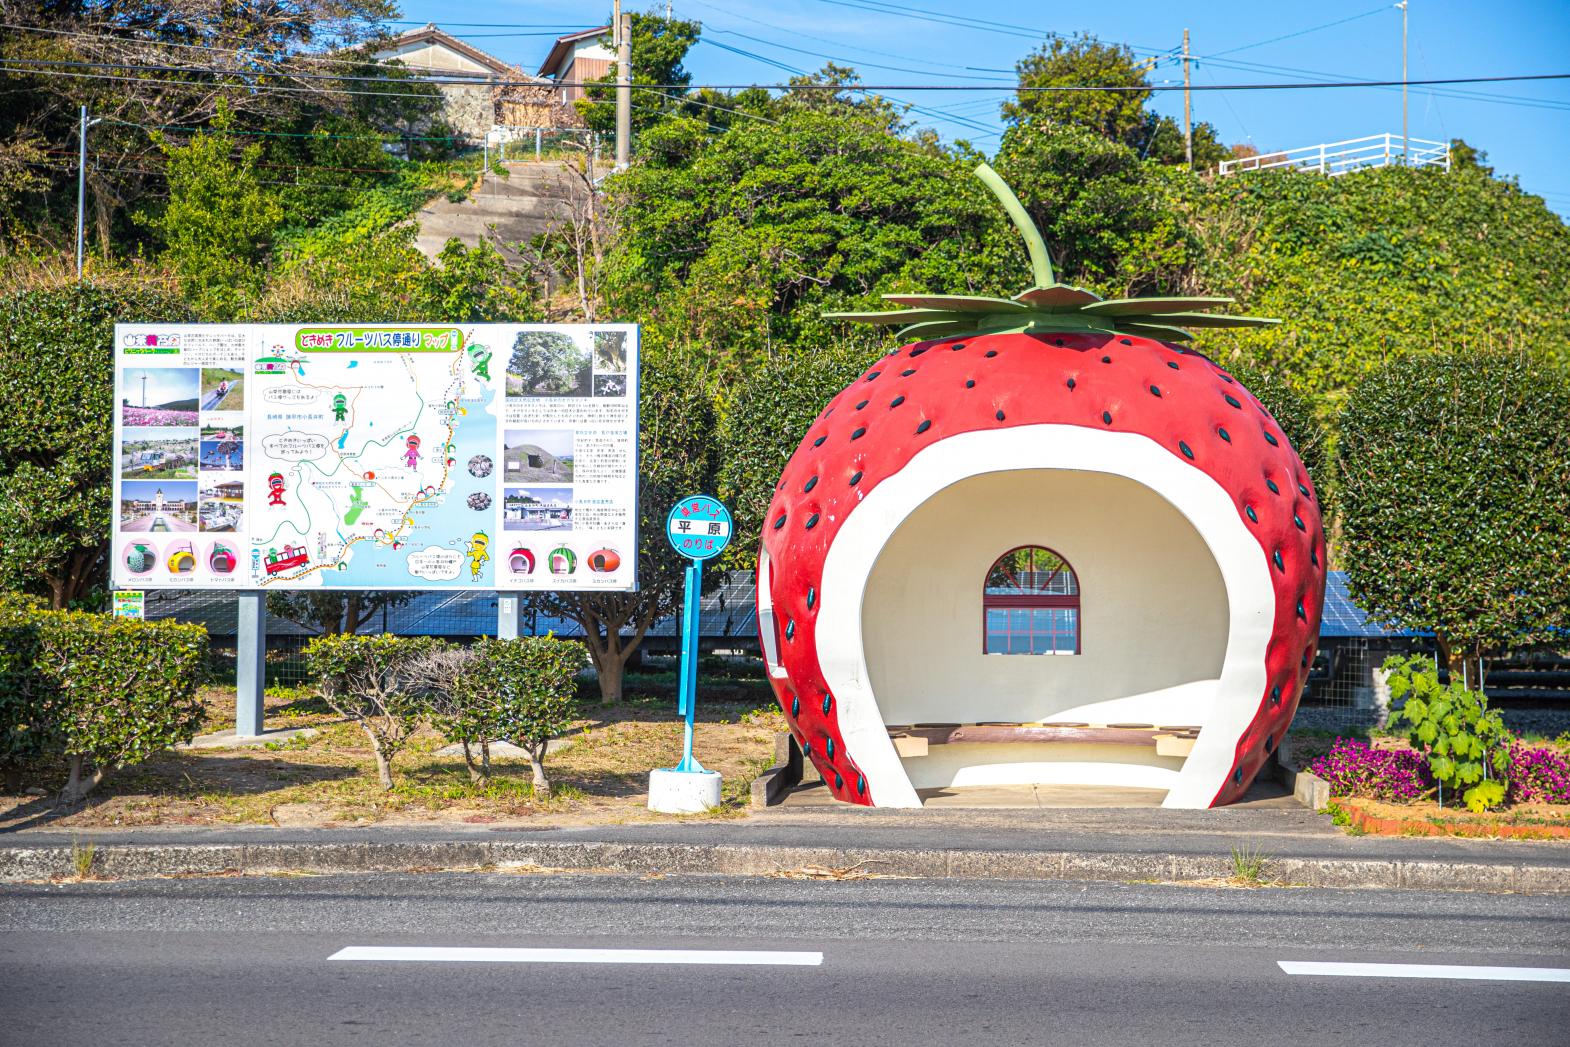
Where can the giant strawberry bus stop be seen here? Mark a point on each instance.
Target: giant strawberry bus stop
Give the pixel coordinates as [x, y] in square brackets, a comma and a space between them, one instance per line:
[1042, 543]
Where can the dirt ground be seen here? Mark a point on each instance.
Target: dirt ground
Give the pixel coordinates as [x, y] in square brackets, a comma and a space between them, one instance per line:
[600, 776]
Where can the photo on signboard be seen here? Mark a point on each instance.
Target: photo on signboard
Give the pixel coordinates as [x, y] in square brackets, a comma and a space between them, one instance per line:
[222, 503]
[538, 456]
[158, 505]
[537, 508]
[223, 389]
[610, 385]
[548, 363]
[610, 352]
[155, 453]
[159, 395]
[223, 447]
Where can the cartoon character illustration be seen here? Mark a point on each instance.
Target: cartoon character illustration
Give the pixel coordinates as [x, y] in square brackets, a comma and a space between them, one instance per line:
[477, 553]
[340, 407]
[412, 454]
[480, 358]
[275, 489]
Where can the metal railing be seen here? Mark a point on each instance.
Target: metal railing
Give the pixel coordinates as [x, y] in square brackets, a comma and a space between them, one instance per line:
[1354, 154]
[505, 142]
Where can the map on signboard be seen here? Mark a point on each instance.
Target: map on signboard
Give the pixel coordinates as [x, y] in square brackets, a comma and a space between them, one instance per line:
[362, 462]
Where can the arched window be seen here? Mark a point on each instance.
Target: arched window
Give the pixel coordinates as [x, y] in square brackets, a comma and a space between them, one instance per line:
[1030, 604]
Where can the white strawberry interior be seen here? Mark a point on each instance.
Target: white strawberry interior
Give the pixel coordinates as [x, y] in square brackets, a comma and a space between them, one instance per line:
[1176, 609]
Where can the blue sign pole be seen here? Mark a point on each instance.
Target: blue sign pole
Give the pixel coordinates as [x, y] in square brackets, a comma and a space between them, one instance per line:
[698, 528]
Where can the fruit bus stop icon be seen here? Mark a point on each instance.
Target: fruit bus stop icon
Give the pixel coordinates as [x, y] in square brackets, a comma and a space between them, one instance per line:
[698, 527]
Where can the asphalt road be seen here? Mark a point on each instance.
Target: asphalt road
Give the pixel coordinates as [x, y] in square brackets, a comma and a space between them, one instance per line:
[237, 961]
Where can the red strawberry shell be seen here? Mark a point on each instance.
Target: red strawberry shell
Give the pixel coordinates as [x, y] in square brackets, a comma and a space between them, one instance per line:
[935, 412]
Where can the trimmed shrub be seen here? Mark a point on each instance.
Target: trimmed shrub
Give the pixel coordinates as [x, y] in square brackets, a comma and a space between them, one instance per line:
[373, 681]
[106, 692]
[521, 690]
[1453, 727]
[1354, 768]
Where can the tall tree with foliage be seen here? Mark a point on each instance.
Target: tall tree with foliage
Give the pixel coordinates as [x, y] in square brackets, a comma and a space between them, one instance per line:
[1454, 494]
[676, 457]
[56, 433]
[659, 45]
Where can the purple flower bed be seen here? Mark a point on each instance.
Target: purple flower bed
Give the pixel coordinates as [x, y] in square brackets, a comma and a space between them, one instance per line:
[1355, 768]
[1538, 774]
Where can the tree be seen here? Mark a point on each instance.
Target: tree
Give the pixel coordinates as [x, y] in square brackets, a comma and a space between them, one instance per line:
[1464, 156]
[548, 362]
[658, 47]
[1081, 60]
[521, 690]
[676, 457]
[219, 220]
[1454, 494]
[56, 432]
[374, 681]
[334, 613]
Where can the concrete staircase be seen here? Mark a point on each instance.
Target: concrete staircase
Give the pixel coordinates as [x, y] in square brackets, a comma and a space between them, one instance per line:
[533, 198]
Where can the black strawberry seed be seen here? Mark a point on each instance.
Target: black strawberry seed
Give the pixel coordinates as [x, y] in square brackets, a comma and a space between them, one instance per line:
[855, 479]
[862, 404]
[1300, 613]
[871, 376]
[827, 702]
[1185, 449]
[1232, 400]
[1273, 488]
[1237, 776]
[924, 426]
[1271, 440]
[861, 785]
[1071, 383]
[1299, 521]
[812, 521]
[1126, 341]
[1155, 391]
[1228, 379]
[795, 706]
[779, 522]
[907, 374]
[970, 384]
[1249, 509]
[1058, 342]
[991, 353]
[812, 600]
[790, 630]
[1270, 744]
[1275, 558]
[1172, 365]
[839, 779]
[828, 748]
[1304, 491]
[1305, 659]
[819, 441]
[957, 346]
[1275, 696]
[859, 433]
[1106, 359]
[1224, 435]
[1313, 557]
[806, 749]
[810, 484]
[896, 401]
[919, 350]
[1000, 416]
[1106, 416]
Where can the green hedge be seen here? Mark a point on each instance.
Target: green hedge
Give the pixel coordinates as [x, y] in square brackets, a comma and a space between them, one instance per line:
[100, 692]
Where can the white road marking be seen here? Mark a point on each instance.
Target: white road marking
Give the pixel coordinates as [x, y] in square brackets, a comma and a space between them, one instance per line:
[1427, 970]
[468, 954]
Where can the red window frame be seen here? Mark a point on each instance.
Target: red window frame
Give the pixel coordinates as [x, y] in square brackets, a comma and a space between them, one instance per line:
[1032, 601]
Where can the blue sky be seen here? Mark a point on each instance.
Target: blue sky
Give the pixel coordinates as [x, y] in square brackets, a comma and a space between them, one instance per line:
[1525, 127]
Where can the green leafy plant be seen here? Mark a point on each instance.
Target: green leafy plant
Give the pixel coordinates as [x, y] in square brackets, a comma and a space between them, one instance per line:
[521, 690]
[372, 680]
[82, 859]
[1248, 863]
[1453, 727]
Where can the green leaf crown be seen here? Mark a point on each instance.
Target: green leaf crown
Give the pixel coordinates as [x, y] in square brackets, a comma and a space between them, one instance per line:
[1048, 306]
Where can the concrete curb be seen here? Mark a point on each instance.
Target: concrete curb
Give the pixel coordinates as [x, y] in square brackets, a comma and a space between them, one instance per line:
[140, 861]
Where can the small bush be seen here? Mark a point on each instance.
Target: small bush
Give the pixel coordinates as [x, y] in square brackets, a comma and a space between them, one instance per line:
[521, 690]
[373, 681]
[1354, 768]
[1538, 774]
[1453, 727]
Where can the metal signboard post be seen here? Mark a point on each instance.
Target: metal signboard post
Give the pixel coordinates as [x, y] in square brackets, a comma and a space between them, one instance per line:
[699, 528]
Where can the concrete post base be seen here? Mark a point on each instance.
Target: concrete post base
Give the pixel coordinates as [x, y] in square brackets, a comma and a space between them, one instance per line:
[683, 792]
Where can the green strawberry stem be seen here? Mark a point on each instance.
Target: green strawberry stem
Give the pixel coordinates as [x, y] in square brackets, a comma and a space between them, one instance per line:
[1040, 261]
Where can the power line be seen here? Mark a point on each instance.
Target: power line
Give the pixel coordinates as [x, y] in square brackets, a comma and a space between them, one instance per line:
[1304, 32]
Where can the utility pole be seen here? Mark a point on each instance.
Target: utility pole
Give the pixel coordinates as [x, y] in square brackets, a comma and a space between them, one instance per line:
[1188, 112]
[81, 188]
[623, 88]
[1405, 142]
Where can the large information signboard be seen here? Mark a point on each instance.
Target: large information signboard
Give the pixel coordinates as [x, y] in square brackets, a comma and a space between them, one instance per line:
[470, 456]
